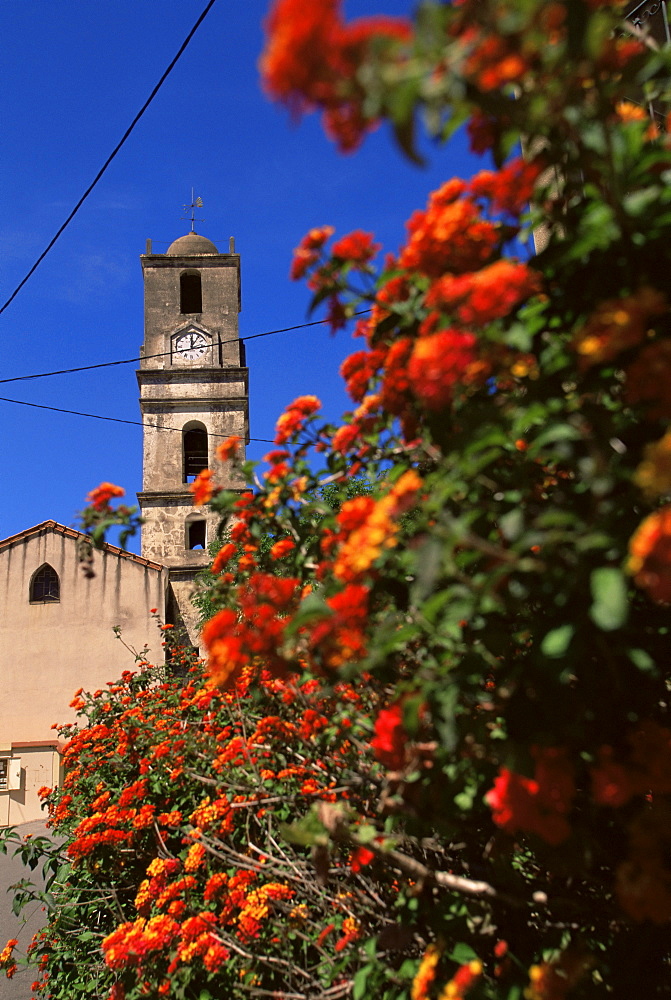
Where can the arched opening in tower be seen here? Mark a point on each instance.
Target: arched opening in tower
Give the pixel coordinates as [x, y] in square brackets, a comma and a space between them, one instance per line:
[190, 292]
[195, 451]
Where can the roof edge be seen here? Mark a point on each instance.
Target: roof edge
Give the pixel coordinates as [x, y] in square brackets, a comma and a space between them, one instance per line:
[61, 529]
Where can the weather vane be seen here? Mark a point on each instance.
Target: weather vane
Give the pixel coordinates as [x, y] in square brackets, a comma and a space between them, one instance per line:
[195, 203]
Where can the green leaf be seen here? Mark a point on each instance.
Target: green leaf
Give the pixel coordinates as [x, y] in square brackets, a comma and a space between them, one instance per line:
[609, 594]
[359, 984]
[366, 833]
[462, 953]
[307, 832]
[404, 133]
[557, 641]
[511, 524]
[642, 660]
[638, 201]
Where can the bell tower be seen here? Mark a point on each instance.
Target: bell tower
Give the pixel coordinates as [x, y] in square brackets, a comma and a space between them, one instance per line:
[193, 393]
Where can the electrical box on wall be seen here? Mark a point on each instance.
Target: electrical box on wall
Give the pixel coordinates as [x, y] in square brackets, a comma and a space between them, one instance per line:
[10, 774]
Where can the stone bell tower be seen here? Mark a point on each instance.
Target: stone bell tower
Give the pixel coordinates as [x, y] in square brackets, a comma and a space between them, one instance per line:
[193, 394]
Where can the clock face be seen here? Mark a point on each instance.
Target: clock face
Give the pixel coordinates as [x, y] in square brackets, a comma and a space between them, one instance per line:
[190, 346]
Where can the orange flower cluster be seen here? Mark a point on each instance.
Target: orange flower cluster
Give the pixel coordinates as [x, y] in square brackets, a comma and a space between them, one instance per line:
[437, 363]
[312, 58]
[100, 497]
[557, 979]
[223, 556]
[6, 958]
[481, 296]
[465, 978]
[653, 475]
[617, 325]
[293, 418]
[510, 188]
[203, 488]
[230, 448]
[153, 888]
[650, 555]
[233, 640]
[368, 527]
[197, 941]
[187, 910]
[132, 943]
[306, 253]
[494, 61]
[426, 973]
[341, 638]
[258, 907]
[449, 234]
[213, 814]
[356, 248]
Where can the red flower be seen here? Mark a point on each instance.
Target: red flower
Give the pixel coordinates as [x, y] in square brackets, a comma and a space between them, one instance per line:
[437, 363]
[360, 856]
[537, 805]
[510, 188]
[203, 488]
[481, 296]
[449, 235]
[229, 448]
[357, 247]
[307, 252]
[100, 497]
[293, 418]
[312, 59]
[225, 553]
[390, 737]
[282, 548]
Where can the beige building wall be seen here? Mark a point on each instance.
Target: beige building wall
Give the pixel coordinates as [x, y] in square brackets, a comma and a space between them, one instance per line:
[26, 767]
[50, 648]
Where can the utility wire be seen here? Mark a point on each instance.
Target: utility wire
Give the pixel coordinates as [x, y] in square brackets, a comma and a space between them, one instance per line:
[115, 420]
[163, 354]
[111, 156]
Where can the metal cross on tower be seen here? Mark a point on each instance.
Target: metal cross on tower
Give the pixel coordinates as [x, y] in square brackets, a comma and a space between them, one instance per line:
[195, 203]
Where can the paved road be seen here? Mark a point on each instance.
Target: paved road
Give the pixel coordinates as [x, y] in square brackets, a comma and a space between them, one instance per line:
[11, 870]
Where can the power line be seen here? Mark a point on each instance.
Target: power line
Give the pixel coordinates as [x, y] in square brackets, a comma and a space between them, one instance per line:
[111, 156]
[115, 420]
[163, 354]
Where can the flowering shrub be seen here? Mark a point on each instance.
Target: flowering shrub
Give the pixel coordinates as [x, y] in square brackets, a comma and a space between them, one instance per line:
[432, 756]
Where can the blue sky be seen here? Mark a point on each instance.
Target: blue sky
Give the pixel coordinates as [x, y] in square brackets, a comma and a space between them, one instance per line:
[74, 75]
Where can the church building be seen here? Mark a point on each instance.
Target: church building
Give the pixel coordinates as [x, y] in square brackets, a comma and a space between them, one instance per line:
[76, 629]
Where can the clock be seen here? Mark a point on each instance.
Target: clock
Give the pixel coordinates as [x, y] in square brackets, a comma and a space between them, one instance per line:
[190, 346]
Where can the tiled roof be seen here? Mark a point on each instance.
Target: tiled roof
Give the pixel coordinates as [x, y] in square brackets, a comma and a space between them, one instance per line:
[61, 529]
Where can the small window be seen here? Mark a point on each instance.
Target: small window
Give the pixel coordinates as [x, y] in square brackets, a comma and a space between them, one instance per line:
[4, 774]
[195, 534]
[190, 293]
[45, 586]
[194, 440]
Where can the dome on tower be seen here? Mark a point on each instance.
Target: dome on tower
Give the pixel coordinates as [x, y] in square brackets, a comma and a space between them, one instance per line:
[191, 245]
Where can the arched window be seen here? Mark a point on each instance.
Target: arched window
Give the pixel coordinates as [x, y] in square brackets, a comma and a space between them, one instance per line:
[45, 586]
[196, 534]
[194, 447]
[190, 292]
